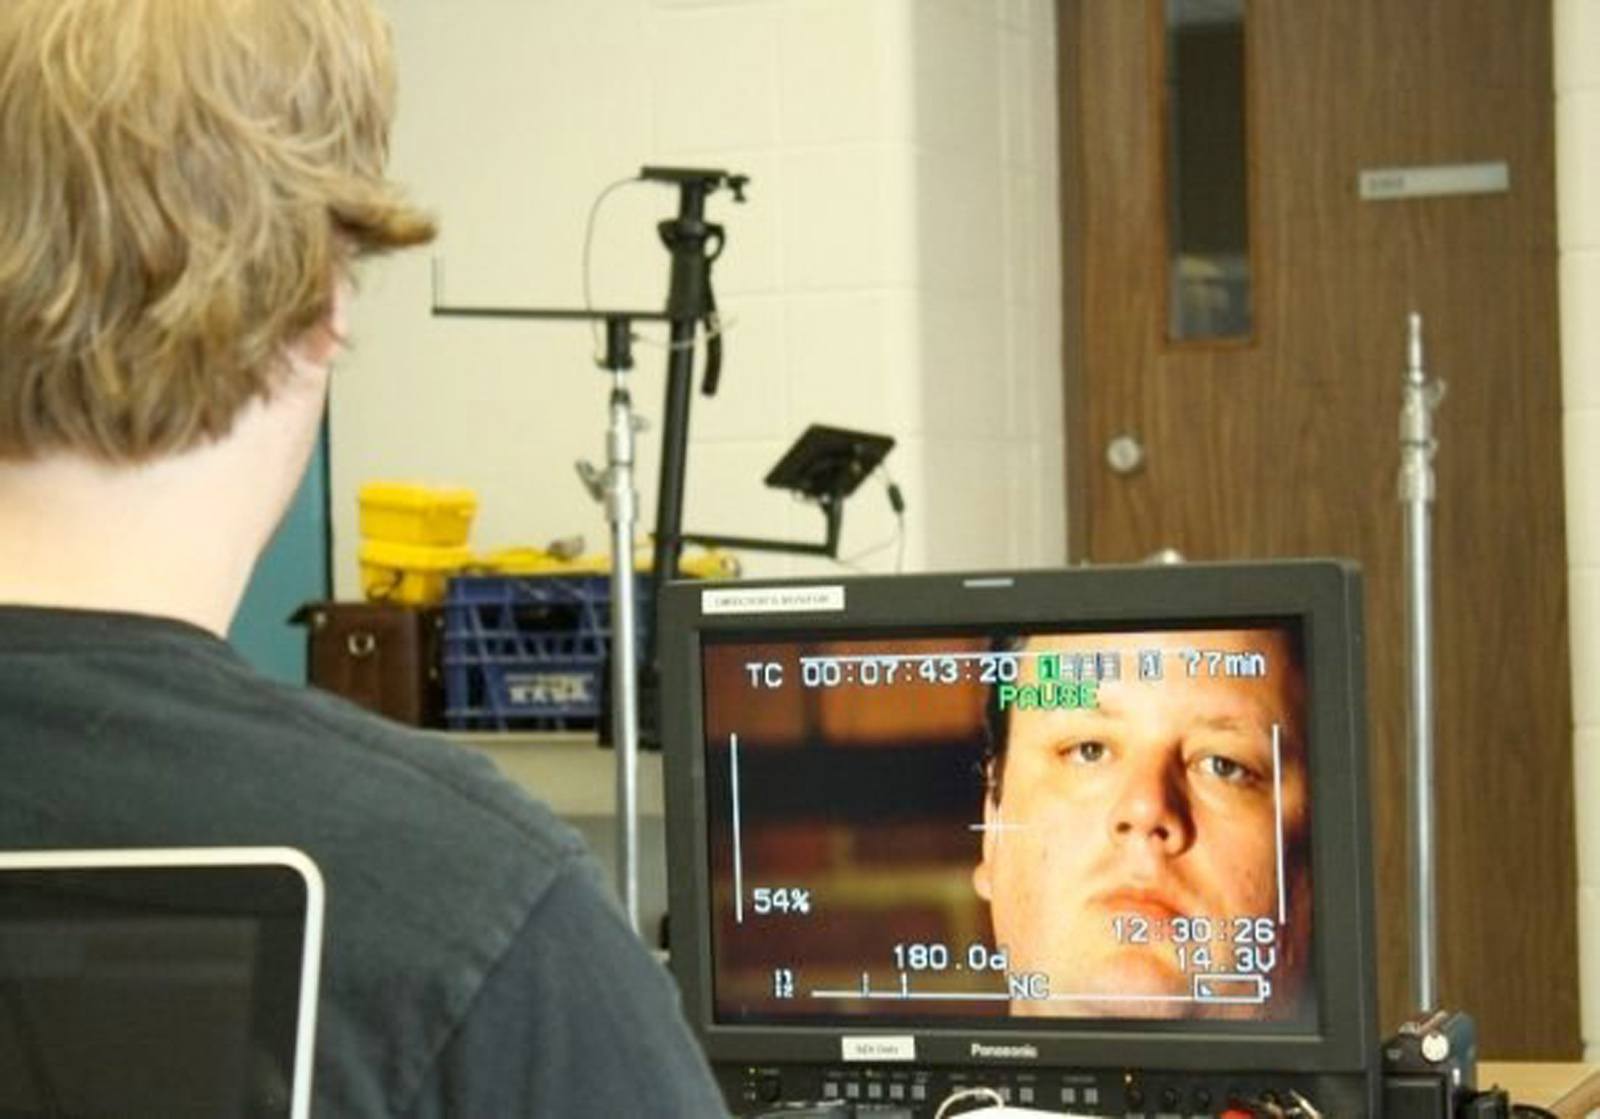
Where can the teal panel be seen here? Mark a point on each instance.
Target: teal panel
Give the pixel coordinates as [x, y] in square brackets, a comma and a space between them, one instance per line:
[293, 570]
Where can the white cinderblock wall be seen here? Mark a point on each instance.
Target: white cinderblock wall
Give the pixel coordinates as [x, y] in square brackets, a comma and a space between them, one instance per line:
[1577, 95]
[896, 269]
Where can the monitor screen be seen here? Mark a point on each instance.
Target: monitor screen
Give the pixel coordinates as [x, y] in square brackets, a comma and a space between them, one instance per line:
[1069, 832]
[155, 990]
[1012, 823]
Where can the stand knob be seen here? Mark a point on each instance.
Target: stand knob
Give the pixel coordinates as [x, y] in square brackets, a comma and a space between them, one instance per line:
[593, 480]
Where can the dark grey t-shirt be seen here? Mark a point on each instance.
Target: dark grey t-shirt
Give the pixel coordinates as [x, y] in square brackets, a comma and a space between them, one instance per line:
[474, 965]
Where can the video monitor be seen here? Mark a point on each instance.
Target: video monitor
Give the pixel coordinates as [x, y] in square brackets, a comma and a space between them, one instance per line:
[1083, 816]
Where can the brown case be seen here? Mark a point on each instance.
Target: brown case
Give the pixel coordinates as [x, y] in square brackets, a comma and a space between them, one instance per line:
[381, 656]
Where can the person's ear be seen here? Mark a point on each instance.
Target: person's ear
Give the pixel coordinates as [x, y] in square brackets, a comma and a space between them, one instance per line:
[983, 873]
[339, 309]
[322, 343]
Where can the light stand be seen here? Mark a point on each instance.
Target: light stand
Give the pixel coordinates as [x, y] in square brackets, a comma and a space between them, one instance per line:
[1416, 486]
[826, 465]
[616, 488]
[621, 505]
[694, 244]
[1430, 1065]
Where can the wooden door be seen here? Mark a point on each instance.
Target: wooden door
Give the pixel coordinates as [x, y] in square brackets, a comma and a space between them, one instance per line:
[1287, 443]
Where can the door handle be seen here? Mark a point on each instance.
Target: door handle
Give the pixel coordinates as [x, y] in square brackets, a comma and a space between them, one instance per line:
[1124, 453]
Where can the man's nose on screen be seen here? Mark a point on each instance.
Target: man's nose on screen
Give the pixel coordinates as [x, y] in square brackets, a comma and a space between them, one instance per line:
[1150, 808]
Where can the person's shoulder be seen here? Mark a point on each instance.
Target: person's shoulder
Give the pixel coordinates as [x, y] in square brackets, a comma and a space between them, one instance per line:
[353, 783]
[148, 699]
[435, 865]
[401, 766]
[604, 1036]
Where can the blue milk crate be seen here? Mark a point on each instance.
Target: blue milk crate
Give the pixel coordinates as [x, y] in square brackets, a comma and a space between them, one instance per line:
[530, 652]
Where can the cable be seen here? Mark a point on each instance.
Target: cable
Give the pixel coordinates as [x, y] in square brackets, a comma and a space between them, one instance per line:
[714, 325]
[722, 326]
[898, 537]
[588, 245]
[988, 1094]
[853, 562]
[1304, 1106]
[897, 502]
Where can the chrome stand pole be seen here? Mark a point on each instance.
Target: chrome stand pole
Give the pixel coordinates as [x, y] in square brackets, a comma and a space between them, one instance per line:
[622, 502]
[1417, 486]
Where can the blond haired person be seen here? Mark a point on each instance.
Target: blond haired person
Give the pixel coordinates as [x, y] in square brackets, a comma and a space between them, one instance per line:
[184, 188]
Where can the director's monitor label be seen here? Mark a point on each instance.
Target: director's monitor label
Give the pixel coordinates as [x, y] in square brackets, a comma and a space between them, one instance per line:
[1106, 825]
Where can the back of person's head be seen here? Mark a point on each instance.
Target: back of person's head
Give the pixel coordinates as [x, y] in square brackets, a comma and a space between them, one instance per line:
[182, 185]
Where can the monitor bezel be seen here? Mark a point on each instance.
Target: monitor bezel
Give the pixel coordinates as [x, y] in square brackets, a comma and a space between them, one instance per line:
[249, 871]
[1322, 596]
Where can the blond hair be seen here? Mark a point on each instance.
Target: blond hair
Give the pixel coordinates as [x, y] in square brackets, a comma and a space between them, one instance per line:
[182, 182]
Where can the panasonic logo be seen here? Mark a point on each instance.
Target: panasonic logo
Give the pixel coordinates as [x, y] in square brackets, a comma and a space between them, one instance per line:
[1004, 1052]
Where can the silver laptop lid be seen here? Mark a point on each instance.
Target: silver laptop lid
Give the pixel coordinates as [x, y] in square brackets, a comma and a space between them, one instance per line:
[170, 982]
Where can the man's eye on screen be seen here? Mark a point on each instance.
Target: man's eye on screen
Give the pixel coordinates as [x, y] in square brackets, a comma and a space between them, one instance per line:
[1087, 752]
[1227, 769]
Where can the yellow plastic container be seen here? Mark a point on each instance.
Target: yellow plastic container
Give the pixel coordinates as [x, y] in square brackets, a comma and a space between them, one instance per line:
[522, 561]
[707, 564]
[712, 563]
[406, 514]
[411, 574]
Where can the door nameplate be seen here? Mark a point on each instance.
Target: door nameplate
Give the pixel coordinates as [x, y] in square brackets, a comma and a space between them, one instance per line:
[1381, 184]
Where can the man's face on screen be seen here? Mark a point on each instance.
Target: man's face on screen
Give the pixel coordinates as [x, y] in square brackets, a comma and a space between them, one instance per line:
[1117, 823]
